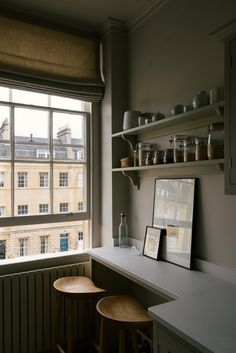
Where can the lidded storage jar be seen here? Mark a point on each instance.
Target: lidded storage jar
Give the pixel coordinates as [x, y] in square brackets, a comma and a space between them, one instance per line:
[178, 144]
[200, 148]
[143, 148]
[189, 149]
[215, 142]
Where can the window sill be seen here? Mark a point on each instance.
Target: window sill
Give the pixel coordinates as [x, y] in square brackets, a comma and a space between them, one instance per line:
[30, 263]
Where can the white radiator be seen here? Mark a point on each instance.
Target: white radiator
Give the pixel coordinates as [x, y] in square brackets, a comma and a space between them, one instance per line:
[28, 309]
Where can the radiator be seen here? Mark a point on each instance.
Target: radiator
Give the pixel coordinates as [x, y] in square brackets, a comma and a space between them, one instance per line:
[28, 309]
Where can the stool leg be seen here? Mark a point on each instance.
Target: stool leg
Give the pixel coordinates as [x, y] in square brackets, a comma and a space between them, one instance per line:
[121, 340]
[134, 341]
[102, 342]
[70, 327]
[57, 324]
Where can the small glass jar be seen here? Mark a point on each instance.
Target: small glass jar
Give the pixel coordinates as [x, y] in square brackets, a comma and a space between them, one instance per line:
[168, 156]
[200, 148]
[215, 142]
[148, 158]
[142, 149]
[178, 142]
[157, 157]
[200, 99]
[189, 149]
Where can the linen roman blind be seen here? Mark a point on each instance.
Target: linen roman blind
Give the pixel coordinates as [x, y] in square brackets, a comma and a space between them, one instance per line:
[50, 57]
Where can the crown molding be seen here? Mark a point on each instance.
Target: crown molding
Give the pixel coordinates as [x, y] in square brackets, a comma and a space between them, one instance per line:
[225, 32]
[111, 25]
[144, 14]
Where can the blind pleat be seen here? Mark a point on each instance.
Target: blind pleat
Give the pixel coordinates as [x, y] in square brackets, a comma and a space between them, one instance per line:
[49, 56]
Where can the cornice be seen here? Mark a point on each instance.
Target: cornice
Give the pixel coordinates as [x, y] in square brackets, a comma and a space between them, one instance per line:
[144, 14]
[111, 25]
[226, 32]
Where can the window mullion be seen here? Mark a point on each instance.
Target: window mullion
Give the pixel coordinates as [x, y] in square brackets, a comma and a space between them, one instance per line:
[12, 144]
[51, 159]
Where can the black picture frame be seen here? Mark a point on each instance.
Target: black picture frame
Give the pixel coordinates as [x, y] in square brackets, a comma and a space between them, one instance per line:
[152, 241]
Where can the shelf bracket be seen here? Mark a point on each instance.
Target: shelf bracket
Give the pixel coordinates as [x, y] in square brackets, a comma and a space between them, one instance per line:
[132, 141]
[133, 177]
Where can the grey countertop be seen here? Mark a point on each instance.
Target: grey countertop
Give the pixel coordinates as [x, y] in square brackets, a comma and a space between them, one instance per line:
[201, 308]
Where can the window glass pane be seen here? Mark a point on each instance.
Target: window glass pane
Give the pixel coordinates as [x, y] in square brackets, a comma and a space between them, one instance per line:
[50, 238]
[31, 126]
[69, 154]
[5, 190]
[68, 129]
[27, 97]
[32, 187]
[4, 123]
[74, 192]
[4, 94]
[66, 103]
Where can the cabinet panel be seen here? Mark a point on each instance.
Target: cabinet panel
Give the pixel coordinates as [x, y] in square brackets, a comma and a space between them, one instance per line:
[168, 344]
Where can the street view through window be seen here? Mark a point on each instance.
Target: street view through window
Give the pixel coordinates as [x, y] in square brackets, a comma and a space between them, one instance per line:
[43, 174]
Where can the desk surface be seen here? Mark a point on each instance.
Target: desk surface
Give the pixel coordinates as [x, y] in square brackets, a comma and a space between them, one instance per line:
[202, 308]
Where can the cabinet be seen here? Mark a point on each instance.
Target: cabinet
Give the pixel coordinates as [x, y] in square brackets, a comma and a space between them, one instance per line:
[166, 342]
[227, 33]
[189, 121]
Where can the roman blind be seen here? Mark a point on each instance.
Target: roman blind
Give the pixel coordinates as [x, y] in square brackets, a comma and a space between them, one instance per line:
[49, 57]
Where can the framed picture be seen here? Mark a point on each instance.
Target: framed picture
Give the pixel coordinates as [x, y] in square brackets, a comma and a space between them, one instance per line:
[152, 242]
[173, 212]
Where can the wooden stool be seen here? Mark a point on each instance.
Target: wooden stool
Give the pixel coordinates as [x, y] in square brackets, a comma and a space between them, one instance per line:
[72, 288]
[126, 313]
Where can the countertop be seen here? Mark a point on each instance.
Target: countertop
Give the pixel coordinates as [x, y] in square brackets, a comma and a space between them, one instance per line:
[201, 308]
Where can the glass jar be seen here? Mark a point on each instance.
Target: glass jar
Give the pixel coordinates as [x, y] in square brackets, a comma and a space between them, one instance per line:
[215, 142]
[178, 142]
[168, 155]
[200, 99]
[148, 158]
[142, 149]
[157, 157]
[189, 149]
[200, 148]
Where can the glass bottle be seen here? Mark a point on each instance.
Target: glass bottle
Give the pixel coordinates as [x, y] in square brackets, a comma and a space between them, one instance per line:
[123, 232]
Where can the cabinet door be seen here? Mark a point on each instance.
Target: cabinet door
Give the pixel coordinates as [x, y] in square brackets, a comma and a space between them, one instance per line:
[230, 118]
[168, 344]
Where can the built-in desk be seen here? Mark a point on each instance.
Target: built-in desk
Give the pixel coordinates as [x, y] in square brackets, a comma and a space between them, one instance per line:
[201, 308]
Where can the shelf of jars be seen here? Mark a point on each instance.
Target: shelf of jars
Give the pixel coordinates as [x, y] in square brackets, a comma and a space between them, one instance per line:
[192, 119]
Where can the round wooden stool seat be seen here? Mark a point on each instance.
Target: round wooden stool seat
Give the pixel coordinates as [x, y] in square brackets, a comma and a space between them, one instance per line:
[77, 287]
[72, 288]
[126, 313]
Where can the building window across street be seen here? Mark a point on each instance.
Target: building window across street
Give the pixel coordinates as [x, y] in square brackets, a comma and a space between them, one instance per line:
[44, 172]
[22, 180]
[23, 247]
[63, 179]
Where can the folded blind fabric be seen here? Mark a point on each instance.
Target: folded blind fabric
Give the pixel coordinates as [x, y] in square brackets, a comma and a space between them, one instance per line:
[49, 54]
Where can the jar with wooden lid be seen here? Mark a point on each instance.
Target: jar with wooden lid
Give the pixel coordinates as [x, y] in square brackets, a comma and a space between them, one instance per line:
[215, 142]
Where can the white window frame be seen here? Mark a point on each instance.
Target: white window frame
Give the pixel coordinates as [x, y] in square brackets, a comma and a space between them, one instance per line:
[63, 207]
[2, 179]
[43, 179]
[22, 209]
[23, 247]
[63, 179]
[43, 208]
[44, 244]
[80, 206]
[91, 178]
[2, 211]
[22, 179]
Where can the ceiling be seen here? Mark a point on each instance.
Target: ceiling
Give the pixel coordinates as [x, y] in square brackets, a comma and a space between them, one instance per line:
[85, 14]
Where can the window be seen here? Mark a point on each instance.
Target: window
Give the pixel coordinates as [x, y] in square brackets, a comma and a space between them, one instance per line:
[23, 209]
[80, 206]
[80, 240]
[2, 249]
[43, 208]
[43, 179]
[23, 247]
[1, 179]
[63, 179]
[64, 242]
[64, 207]
[22, 179]
[44, 144]
[2, 211]
[44, 244]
